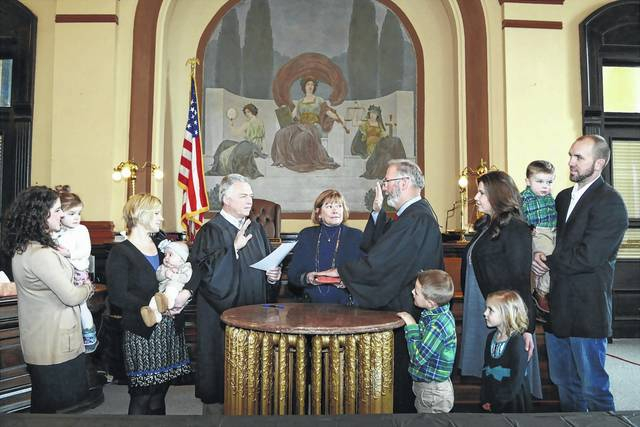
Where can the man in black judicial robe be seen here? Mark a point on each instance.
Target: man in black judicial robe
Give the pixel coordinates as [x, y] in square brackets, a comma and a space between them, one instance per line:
[396, 251]
[221, 256]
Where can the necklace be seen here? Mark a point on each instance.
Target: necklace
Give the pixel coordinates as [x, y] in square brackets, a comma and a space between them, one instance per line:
[335, 252]
[329, 235]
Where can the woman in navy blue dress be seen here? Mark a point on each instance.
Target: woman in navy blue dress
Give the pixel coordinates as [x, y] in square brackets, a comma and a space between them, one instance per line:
[327, 245]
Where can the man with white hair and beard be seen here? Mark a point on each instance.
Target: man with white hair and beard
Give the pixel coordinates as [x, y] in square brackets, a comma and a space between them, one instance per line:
[396, 251]
[221, 256]
[592, 220]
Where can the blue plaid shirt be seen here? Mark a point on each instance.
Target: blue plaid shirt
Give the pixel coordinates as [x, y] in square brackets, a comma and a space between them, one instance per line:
[539, 211]
[432, 345]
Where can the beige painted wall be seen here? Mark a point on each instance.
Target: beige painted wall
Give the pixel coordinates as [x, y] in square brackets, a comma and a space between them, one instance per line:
[82, 89]
[542, 85]
[83, 83]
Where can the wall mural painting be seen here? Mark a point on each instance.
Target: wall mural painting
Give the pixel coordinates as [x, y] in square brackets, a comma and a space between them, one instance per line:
[304, 95]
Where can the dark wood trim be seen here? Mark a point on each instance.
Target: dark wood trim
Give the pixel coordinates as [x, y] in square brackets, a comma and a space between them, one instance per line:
[142, 83]
[477, 88]
[84, 19]
[557, 2]
[18, 39]
[202, 45]
[522, 23]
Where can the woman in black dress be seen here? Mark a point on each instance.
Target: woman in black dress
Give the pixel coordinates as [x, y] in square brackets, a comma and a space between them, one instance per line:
[497, 258]
[153, 355]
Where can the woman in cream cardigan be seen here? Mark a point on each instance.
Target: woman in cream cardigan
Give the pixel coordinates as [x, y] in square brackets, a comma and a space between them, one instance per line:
[48, 312]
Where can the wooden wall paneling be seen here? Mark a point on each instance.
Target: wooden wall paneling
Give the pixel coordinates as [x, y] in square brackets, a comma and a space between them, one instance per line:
[77, 19]
[142, 83]
[522, 23]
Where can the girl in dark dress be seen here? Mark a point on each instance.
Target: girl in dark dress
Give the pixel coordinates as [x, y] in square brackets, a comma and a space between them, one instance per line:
[504, 385]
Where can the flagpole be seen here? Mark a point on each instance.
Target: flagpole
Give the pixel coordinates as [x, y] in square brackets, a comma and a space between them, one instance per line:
[192, 63]
[191, 174]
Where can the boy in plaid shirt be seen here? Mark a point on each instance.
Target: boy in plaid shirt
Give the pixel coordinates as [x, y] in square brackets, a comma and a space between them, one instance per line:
[432, 342]
[539, 210]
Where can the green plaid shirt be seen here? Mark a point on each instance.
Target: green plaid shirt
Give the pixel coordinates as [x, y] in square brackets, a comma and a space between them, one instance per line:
[539, 211]
[432, 345]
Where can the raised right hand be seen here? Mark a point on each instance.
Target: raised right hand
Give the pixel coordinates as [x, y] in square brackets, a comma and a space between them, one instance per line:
[377, 201]
[241, 240]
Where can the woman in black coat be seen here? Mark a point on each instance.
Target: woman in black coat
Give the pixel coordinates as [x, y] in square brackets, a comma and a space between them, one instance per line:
[497, 258]
[154, 355]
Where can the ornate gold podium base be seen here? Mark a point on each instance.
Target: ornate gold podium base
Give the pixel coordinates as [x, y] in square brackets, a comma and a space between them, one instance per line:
[267, 373]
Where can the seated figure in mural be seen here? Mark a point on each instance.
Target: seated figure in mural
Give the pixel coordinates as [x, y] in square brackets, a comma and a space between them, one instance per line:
[373, 142]
[239, 156]
[299, 146]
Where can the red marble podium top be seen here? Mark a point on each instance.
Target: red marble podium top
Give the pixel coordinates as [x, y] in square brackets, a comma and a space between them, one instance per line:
[311, 319]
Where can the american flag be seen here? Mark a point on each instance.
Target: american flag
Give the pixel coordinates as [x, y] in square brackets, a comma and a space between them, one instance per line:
[191, 174]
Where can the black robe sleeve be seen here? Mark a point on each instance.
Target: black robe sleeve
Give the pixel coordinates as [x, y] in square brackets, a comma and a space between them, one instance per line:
[215, 268]
[374, 230]
[385, 276]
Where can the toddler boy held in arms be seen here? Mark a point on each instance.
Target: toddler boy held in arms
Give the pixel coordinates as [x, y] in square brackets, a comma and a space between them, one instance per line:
[432, 342]
[539, 210]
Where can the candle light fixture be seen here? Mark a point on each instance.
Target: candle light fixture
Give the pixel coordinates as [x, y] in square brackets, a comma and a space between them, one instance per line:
[463, 186]
[128, 170]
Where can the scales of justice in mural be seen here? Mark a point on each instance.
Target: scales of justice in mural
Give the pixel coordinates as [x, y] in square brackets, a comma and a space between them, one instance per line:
[299, 101]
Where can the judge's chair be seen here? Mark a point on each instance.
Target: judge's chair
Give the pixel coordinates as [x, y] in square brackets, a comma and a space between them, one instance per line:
[267, 213]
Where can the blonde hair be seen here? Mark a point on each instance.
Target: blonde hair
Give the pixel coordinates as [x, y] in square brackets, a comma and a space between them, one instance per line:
[512, 310]
[329, 196]
[139, 210]
[437, 286]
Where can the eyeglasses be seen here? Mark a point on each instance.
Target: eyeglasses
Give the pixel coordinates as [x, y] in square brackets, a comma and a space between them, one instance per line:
[386, 180]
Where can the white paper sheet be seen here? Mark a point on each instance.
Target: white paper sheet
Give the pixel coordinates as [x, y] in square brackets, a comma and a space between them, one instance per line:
[274, 259]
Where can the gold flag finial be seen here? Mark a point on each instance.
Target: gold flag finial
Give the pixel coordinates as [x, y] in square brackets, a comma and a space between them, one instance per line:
[193, 62]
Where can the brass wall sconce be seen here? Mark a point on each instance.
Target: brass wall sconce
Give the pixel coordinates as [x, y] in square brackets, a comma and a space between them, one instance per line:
[129, 171]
